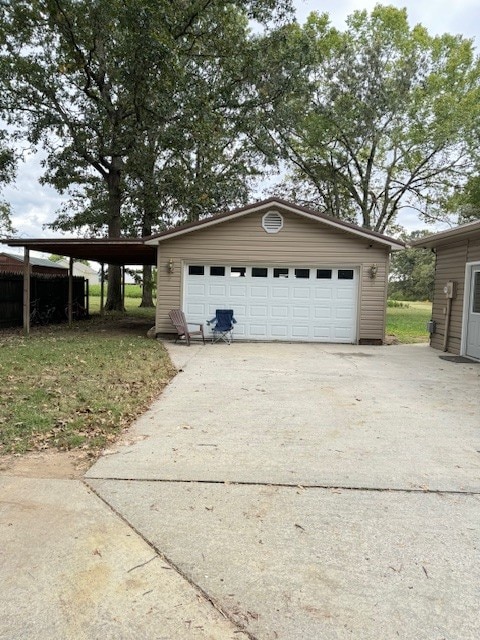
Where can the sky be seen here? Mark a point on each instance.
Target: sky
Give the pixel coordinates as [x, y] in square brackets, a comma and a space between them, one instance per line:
[34, 205]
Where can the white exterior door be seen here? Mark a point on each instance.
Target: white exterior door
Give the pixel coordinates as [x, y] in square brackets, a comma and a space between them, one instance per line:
[473, 315]
[313, 304]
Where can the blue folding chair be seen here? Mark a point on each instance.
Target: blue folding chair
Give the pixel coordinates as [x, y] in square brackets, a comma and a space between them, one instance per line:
[222, 325]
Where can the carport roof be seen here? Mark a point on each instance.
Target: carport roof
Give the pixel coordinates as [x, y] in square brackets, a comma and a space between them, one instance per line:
[120, 251]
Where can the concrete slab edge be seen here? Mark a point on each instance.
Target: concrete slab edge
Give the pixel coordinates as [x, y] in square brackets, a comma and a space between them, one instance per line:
[201, 592]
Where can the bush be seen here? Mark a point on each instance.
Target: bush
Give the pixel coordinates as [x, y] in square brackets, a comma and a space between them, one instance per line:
[397, 304]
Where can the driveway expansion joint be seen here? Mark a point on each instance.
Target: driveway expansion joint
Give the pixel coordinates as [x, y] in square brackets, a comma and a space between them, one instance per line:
[201, 592]
[287, 485]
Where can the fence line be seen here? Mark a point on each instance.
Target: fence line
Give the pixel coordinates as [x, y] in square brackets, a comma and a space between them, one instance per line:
[49, 296]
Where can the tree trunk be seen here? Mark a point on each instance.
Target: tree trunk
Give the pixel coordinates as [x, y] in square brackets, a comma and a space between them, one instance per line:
[148, 216]
[114, 289]
[147, 297]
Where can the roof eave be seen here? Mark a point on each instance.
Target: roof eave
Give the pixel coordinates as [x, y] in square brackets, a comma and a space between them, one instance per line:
[395, 245]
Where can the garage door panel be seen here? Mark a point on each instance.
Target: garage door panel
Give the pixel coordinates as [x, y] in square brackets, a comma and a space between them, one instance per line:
[237, 291]
[280, 292]
[196, 309]
[301, 293]
[301, 312]
[196, 289]
[344, 293]
[279, 312]
[319, 309]
[257, 311]
[300, 331]
[323, 313]
[258, 292]
[279, 331]
[322, 294]
[258, 330]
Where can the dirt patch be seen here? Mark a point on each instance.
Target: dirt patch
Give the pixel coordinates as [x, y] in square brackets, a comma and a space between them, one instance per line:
[47, 464]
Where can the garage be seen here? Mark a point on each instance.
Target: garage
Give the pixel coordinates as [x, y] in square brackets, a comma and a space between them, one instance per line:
[288, 272]
[315, 304]
[456, 298]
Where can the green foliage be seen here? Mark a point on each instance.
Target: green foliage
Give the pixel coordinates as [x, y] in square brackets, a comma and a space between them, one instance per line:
[412, 272]
[56, 258]
[387, 120]
[395, 304]
[6, 228]
[465, 202]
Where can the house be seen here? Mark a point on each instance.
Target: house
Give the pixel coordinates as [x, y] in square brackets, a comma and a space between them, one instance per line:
[455, 323]
[288, 272]
[12, 263]
[82, 270]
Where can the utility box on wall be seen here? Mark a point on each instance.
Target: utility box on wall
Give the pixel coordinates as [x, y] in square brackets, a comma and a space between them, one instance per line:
[431, 326]
[450, 289]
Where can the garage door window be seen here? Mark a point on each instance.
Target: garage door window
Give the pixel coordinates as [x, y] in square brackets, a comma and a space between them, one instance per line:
[238, 272]
[217, 271]
[324, 274]
[345, 274]
[280, 273]
[302, 273]
[196, 270]
[259, 272]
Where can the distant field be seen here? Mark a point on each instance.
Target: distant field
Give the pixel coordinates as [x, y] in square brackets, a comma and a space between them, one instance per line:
[408, 322]
[131, 290]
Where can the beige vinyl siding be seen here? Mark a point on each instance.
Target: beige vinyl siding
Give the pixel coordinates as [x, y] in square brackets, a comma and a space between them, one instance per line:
[450, 265]
[301, 242]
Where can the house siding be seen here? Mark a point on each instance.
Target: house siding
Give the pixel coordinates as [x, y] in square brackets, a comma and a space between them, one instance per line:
[301, 242]
[450, 265]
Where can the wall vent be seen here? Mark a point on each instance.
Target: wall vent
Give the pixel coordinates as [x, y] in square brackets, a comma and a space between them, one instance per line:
[272, 222]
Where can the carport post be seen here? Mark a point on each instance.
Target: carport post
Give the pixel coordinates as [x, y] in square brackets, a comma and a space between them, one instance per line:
[123, 287]
[102, 287]
[26, 291]
[70, 292]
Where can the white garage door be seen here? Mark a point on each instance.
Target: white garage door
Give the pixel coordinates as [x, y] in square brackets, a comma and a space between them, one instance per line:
[276, 303]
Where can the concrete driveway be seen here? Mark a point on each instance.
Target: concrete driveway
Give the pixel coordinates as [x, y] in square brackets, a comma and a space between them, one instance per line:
[313, 491]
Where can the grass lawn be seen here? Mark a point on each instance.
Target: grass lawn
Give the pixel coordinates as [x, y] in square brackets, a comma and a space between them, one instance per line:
[78, 387]
[408, 322]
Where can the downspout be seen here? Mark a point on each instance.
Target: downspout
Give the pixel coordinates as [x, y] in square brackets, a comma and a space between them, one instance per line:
[26, 291]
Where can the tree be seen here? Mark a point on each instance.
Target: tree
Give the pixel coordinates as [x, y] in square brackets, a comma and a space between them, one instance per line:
[412, 271]
[86, 80]
[385, 122]
[465, 202]
[6, 228]
[56, 258]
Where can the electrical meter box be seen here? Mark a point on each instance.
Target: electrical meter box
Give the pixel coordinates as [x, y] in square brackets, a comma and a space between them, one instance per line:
[450, 289]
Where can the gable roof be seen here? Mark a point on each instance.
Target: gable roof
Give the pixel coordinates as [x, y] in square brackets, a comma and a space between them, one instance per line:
[457, 233]
[35, 262]
[284, 204]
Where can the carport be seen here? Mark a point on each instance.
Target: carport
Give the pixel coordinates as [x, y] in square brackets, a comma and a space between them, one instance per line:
[112, 251]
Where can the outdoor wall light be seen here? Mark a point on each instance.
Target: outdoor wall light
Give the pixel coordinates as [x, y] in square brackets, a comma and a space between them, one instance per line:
[373, 271]
[170, 266]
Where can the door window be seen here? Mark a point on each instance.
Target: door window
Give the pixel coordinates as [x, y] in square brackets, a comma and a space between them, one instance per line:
[476, 293]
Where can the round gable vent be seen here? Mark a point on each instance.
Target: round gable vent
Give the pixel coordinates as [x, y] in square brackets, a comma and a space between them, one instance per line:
[272, 222]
